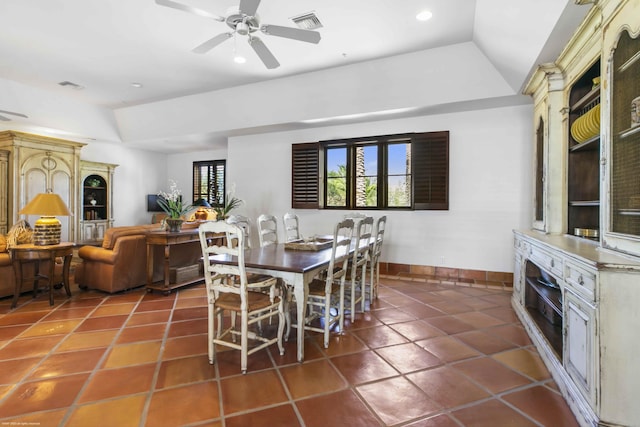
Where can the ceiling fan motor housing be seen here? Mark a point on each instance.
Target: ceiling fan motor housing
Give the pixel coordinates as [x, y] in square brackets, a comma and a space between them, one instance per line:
[243, 24]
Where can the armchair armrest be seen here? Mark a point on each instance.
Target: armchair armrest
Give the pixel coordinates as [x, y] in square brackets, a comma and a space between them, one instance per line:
[93, 253]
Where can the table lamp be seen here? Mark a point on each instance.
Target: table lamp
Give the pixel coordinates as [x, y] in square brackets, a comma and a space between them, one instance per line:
[47, 228]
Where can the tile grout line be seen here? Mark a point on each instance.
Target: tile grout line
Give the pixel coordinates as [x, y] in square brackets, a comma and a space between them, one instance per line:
[399, 289]
[449, 411]
[74, 405]
[154, 381]
[45, 356]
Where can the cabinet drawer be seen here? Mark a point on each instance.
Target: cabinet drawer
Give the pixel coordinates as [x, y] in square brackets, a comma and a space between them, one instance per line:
[546, 261]
[522, 246]
[581, 280]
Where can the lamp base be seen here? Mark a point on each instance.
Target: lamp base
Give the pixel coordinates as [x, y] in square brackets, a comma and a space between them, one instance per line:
[47, 231]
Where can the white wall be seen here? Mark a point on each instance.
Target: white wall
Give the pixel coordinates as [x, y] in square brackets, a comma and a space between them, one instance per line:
[490, 175]
[490, 192]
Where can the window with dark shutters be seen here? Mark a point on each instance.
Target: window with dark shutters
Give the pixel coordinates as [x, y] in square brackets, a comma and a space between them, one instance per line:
[430, 158]
[305, 176]
[209, 181]
[412, 173]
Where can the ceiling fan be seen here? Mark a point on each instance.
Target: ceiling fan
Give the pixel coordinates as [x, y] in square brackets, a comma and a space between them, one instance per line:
[245, 22]
[7, 119]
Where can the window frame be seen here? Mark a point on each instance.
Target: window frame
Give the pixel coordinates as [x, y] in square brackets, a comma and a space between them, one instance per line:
[429, 179]
[215, 195]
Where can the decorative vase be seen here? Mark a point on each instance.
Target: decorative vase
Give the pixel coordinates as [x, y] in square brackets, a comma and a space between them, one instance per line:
[201, 214]
[174, 224]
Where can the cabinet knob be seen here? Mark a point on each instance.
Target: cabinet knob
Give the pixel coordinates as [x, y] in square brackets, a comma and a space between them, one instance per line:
[581, 280]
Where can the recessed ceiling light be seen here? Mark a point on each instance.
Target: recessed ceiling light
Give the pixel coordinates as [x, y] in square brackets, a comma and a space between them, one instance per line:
[136, 84]
[239, 59]
[425, 15]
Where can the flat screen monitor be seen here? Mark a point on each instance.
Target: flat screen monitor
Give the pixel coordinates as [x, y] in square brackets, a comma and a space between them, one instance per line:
[152, 203]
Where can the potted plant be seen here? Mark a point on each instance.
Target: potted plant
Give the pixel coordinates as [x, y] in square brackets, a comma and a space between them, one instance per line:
[231, 202]
[171, 204]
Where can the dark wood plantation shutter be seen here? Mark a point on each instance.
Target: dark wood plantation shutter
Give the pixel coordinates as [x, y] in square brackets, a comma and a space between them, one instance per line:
[430, 168]
[305, 171]
[208, 181]
[217, 189]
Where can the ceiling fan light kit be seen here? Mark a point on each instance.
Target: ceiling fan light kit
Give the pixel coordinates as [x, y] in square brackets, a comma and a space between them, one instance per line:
[245, 22]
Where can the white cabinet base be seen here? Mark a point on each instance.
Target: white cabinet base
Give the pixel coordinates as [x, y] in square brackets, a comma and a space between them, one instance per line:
[596, 372]
[578, 404]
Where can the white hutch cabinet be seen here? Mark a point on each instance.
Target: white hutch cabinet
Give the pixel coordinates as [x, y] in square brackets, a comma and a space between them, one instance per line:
[96, 194]
[579, 297]
[35, 164]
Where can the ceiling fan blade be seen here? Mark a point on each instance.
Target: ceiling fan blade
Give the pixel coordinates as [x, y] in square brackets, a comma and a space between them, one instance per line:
[265, 54]
[291, 33]
[190, 9]
[249, 7]
[6, 119]
[211, 43]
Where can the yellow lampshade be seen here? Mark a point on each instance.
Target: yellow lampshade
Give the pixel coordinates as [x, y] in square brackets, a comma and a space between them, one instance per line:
[47, 230]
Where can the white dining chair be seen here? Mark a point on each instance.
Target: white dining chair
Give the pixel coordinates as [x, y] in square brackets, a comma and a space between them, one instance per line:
[355, 216]
[230, 291]
[374, 257]
[357, 269]
[331, 286]
[267, 230]
[244, 223]
[291, 227]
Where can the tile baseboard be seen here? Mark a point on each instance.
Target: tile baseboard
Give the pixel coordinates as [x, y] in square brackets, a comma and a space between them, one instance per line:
[450, 276]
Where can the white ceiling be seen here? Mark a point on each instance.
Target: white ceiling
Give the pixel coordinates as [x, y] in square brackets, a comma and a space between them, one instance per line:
[106, 45]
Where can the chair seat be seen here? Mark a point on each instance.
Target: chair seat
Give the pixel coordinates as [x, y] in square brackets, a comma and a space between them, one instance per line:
[257, 301]
[254, 280]
[317, 287]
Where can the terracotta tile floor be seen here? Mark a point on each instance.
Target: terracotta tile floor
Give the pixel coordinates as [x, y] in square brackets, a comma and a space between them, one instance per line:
[426, 354]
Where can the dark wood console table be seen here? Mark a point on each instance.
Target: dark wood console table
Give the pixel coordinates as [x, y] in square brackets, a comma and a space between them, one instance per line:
[22, 254]
[167, 240]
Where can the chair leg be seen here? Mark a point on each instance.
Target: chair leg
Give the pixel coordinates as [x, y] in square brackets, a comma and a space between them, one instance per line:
[288, 297]
[341, 306]
[375, 286]
[327, 317]
[353, 299]
[233, 324]
[363, 288]
[210, 333]
[281, 322]
[244, 341]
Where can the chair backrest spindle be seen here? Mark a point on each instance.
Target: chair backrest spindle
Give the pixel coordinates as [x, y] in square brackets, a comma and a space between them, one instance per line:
[291, 227]
[244, 224]
[267, 230]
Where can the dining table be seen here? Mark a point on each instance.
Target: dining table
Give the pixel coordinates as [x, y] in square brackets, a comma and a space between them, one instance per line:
[295, 267]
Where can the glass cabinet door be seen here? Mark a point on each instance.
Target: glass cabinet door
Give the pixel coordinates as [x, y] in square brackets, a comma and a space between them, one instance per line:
[625, 137]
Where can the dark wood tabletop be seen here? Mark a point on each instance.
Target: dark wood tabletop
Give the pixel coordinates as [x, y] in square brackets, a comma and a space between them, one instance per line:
[276, 257]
